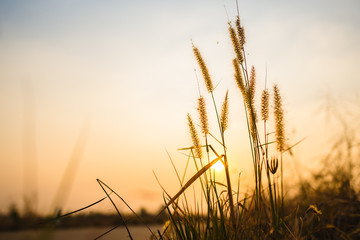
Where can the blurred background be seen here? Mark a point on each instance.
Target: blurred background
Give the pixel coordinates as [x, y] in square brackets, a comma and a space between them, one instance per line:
[93, 89]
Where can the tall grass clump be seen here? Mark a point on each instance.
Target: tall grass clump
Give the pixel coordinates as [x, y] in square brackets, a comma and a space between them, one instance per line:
[219, 211]
[329, 206]
[227, 214]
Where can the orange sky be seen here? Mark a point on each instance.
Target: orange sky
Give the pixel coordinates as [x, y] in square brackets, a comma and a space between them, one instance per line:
[120, 76]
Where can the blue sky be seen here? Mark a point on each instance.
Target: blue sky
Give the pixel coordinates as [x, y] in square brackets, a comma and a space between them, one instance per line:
[126, 68]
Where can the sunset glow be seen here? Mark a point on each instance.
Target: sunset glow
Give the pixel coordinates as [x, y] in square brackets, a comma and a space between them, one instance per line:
[219, 166]
[101, 90]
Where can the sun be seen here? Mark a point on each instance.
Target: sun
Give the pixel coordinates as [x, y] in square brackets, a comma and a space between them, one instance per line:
[218, 166]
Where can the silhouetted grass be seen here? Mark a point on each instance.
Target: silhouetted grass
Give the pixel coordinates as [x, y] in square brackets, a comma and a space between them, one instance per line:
[260, 215]
[329, 200]
[326, 206]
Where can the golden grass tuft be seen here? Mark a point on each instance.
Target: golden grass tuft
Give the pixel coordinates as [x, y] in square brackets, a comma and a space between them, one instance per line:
[204, 70]
[265, 105]
[203, 115]
[241, 32]
[252, 88]
[236, 44]
[194, 137]
[239, 77]
[250, 101]
[279, 120]
[225, 113]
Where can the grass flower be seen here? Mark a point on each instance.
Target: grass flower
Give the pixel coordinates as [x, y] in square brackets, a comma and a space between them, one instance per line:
[239, 77]
[203, 115]
[236, 44]
[265, 105]
[194, 137]
[241, 32]
[225, 113]
[204, 70]
[279, 120]
[273, 165]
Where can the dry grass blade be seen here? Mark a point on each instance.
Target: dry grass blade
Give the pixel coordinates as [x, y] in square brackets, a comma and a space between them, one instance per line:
[117, 210]
[192, 180]
[292, 146]
[172, 163]
[168, 195]
[211, 147]
[161, 185]
[102, 184]
[78, 210]
[108, 231]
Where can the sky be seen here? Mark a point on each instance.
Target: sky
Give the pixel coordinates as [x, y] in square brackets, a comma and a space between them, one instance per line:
[109, 84]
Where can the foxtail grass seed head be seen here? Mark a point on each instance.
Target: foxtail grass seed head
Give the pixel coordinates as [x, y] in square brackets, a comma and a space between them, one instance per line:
[279, 120]
[204, 70]
[265, 105]
[203, 115]
[236, 44]
[241, 32]
[273, 164]
[251, 88]
[239, 77]
[252, 124]
[252, 83]
[194, 137]
[250, 102]
[225, 113]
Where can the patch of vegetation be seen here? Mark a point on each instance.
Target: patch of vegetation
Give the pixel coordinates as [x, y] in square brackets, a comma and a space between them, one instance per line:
[326, 206]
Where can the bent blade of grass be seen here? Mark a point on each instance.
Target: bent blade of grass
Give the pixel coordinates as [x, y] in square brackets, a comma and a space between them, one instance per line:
[117, 210]
[177, 174]
[192, 180]
[68, 214]
[168, 195]
[101, 183]
[108, 231]
[178, 229]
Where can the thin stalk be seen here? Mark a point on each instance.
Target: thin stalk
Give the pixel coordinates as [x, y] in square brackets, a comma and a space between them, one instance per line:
[228, 181]
[282, 185]
[117, 210]
[197, 169]
[254, 149]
